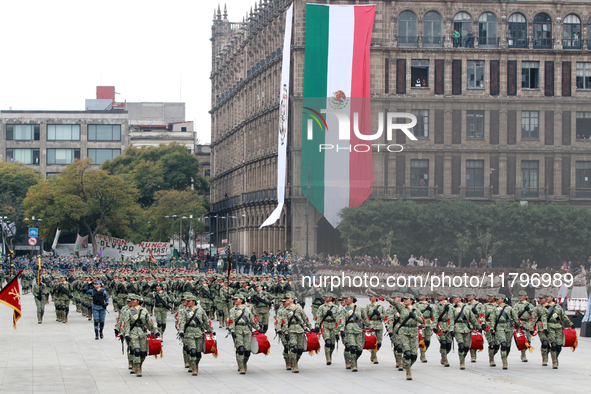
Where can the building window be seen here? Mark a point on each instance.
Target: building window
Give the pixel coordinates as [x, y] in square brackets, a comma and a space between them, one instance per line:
[22, 132]
[419, 73]
[476, 74]
[419, 178]
[487, 31]
[530, 75]
[517, 31]
[207, 172]
[529, 178]
[51, 175]
[583, 179]
[62, 156]
[474, 178]
[542, 31]
[432, 27]
[529, 125]
[421, 130]
[571, 32]
[99, 156]
[583, 125]
[589, 33]
[104, 132]
[475, 124]
[25, 156]
[583, 75]
[63, 132]
[407, 29]
[463, 25]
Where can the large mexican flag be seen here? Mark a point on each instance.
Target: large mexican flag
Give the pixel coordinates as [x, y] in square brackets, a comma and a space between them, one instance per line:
[336, 78]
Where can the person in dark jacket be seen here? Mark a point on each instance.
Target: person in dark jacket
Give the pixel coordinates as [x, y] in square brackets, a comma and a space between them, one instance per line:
[100, 301]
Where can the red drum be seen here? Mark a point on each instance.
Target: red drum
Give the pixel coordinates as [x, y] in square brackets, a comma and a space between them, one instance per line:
[520, 340]
[570, 338]
[154, 346]
[260, 344]
[312, 342]
[370, 340]
[477, 340]
[210, 344]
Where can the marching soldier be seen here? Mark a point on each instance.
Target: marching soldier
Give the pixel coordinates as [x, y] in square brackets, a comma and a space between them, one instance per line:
[503, 327]
[477, 310]
[39, 290]
[392, 324]
[294, 323]
[461, 319]
[557, 318]
[442, 323]
[328, 321]
[540, 320]
[490, 314]
[429, 316]
[192, 325]
[262, 301]
[317, 301]
[411, 319]
[135, 332]
[375, 315]
[162, 304]
[524, 310]
[240, 323]
[354, 320]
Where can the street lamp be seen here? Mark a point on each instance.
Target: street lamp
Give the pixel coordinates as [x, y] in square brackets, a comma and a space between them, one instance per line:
[32, 219]
[172, 236]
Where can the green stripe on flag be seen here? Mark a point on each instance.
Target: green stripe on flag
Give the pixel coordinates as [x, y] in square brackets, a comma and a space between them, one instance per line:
[315, 85]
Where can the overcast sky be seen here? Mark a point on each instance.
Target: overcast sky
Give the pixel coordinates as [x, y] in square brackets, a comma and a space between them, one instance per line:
[56, 52]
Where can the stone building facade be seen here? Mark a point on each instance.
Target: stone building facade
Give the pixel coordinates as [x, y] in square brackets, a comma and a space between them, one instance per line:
[501, 90]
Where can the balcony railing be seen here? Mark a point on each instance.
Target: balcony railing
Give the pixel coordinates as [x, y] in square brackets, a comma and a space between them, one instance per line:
[407, 41]
[432, 42]
[580, 192]
[404, 192]
[488, 42]
[543, 43]
[531, 193]
[571, 44]
[479, 193]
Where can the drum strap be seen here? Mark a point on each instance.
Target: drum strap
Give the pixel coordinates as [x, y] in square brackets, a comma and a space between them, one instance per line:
[351, 316]
[500, 315]
[291, 319]
[376, 312]
[139, 318]
[461, 316]
[190, 320]
[241, 317]
[523, 311]
[445, 309]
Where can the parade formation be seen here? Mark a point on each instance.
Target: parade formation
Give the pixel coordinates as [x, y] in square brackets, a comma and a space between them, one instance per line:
[246, 305]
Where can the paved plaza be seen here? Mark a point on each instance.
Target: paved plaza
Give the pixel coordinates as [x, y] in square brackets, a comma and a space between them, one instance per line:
[64, 358]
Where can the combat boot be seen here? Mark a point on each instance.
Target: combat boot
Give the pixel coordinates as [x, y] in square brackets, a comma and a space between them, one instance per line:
[133, 369]
[246, 363]
[129, 364]
[505, 365]
[472, 356]
[408, 374]
[287, 364]
[491, 360]
[137, 367]
[544, 359]
[194, 368]
[463, 361]
[347, 363]
[186, 359]
[328, 358]
[446, 361]
[423, 358]
[523, 358]
[96, 334]
[354, 364]
[554, 360]
[241, 367]
[294, 367]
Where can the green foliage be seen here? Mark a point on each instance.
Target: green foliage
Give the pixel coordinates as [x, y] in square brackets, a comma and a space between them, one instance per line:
[151, 169]
[456, 228]
[81, 198]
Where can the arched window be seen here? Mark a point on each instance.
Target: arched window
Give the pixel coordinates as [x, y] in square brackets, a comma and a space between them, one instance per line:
[487, 30]
[517, 37]
[432, 30]
[571, 36]
[463, 26]
[589, 34]
[542, 31]
[407, 29]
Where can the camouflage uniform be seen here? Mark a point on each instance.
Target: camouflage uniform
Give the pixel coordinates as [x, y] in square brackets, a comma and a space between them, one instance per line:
[240, 323]
[442, 321]
[477, 310]
[135, 333]
[540, 320]
[411, 319]
[162, 304]
[490, 314]
[503, 328]
[376, 314]
[292, 320]
[353, 323]
[328, 321]
[317, 301]
[524, 310]
[39, 291]
[262, 302]
[557, 318]
[427, 331]
[393, 321]
[192, 325]
[462, 321]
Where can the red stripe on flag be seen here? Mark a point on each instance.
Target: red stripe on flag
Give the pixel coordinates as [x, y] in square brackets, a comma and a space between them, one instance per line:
[360, 163]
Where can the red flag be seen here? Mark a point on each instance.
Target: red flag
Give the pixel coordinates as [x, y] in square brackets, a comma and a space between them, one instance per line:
[11, 297]
[152, 259]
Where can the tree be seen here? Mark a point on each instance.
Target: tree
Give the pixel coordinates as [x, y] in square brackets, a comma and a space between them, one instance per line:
[464, 243]
[150, 169]
[487, 244]
[81, 198]
[175, 202]
[16, 178]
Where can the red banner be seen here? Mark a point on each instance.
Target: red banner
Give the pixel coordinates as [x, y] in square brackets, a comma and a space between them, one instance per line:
[11, 297]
